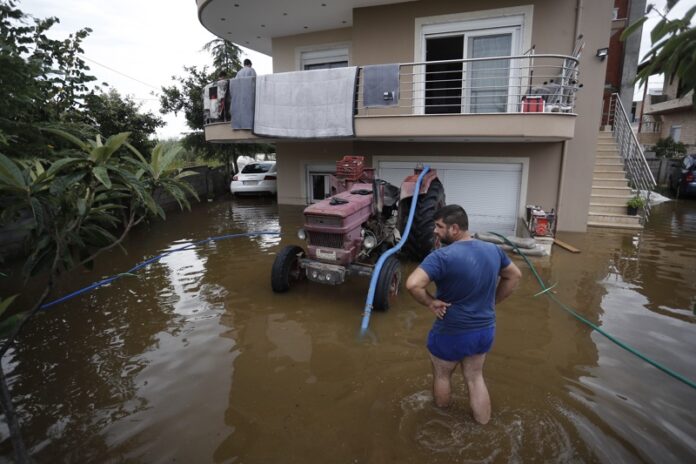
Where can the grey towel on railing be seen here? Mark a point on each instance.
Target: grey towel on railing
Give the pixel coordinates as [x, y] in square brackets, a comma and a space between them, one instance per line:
[380, 85]
[242, 91]
[306, 104]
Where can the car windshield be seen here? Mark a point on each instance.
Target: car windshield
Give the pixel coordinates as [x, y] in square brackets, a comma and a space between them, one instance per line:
[257, 168]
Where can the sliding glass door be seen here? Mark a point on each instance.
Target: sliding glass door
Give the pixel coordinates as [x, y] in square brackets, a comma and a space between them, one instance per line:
[479, 86]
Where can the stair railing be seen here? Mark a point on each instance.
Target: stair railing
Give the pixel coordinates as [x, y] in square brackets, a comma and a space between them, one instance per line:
[640, 176]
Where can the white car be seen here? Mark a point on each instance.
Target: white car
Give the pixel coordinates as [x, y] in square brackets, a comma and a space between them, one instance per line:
[258, 177]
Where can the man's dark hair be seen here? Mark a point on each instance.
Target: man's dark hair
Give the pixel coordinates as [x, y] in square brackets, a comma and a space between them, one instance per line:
[453, 214]
[247, 62]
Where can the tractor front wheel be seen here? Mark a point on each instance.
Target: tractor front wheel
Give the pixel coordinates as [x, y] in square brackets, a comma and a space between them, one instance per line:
[421, 240]
[388, 284]
[286, 268]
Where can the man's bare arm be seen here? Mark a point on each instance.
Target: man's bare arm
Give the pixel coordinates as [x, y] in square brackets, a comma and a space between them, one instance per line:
[417, 284]
[509, 278]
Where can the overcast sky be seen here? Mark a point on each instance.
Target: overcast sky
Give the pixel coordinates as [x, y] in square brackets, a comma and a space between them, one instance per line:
[147, 40]
[151, 40]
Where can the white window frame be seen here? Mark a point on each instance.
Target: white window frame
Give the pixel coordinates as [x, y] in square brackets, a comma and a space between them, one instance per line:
[315, 169]
[324, 53]
[675, 130]
[487, 21]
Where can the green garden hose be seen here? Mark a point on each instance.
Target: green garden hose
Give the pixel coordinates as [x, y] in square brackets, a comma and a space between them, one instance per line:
[572, 312]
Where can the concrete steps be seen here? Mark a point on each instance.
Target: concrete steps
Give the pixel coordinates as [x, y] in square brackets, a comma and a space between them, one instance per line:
[610, 190]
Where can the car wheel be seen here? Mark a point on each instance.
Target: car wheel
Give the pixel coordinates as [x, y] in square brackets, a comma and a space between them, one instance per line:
[421, 240]
[388, 284]
[286, 268]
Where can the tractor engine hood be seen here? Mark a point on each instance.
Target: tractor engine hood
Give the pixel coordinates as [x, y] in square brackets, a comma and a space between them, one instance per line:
[342, 212]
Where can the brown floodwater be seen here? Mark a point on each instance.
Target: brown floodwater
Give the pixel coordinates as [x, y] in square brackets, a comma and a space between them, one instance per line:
[197, 360]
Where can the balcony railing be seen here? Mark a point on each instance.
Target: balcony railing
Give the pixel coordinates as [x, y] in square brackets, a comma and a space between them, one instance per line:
[650, 126]
[529, 84]
[510, 84]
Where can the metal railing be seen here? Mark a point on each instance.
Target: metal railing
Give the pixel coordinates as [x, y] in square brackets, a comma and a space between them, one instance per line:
[640, 177]
[506, 84]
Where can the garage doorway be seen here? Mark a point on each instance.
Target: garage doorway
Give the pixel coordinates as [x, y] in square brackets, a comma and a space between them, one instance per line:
[490, 192]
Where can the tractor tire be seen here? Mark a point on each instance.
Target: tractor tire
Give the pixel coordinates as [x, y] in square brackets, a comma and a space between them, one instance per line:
[421, 240]
[286, 268]
[388, 284]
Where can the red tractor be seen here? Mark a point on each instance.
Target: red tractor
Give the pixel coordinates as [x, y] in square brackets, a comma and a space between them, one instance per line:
[347, 232]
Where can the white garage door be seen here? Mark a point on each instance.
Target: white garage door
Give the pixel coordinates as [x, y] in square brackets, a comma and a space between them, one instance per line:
[489, 192]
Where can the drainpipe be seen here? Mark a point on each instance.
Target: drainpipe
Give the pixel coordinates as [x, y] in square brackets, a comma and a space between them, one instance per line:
[559, 196]
[578, 17]
[642, 106]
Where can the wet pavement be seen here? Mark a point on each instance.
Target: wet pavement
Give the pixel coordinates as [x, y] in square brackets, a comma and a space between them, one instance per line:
[196, 360]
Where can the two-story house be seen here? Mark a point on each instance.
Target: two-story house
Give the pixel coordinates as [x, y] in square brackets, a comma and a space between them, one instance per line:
[487, 93]
[669, 114]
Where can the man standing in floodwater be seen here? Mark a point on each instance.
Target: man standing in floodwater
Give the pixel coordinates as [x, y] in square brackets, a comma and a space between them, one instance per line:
[466, 273]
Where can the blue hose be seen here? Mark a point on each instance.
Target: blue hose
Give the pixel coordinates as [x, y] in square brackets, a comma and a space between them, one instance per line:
[189, 246]
[378, 267]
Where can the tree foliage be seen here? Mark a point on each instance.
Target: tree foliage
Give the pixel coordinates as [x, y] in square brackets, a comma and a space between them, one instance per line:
[186, 95]
[79, 196]
[673, 51]
[668, 148]
[109, 113]
[225, 57]
[43, 79]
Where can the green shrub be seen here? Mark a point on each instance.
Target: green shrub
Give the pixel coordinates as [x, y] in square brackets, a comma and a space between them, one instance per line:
[668, 148]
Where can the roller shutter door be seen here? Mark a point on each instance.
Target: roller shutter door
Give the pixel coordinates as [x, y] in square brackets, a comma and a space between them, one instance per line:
[489, 192]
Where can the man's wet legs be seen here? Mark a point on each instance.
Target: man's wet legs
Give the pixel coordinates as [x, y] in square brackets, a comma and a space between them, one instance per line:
[480, 401]
[442, 380]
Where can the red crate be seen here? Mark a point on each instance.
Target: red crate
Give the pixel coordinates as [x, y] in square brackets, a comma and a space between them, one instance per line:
[350, 167]
[532, 104]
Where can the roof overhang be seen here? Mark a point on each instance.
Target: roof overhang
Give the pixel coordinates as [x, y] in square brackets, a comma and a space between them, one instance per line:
[254, 23]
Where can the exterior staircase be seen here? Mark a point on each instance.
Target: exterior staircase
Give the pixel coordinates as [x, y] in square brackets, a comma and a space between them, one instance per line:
[610, 190]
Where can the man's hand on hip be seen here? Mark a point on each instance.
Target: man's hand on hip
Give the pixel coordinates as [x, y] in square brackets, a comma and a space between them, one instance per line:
[439, 308]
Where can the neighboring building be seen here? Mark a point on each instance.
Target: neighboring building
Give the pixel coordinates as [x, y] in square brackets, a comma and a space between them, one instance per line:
[465, 114]
[669, 114]
[622, 58]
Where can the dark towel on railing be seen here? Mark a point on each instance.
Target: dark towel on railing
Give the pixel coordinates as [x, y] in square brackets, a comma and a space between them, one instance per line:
[306, 104]
[243, 91]
[380, 85]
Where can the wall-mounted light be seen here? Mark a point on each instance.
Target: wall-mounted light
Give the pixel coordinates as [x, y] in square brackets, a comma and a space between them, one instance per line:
[602, 53]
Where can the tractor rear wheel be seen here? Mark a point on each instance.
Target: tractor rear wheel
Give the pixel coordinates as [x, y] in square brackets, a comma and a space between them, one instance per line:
[388, 284]
[421, 240]
[286, 268]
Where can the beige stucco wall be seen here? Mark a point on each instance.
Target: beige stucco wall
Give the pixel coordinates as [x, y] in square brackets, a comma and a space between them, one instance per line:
[544, 162]
[292, 159]
[576, 183]
[386, 34]
[286, 49]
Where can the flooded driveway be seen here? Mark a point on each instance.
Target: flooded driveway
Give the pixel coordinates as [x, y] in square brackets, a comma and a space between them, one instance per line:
[196, 360]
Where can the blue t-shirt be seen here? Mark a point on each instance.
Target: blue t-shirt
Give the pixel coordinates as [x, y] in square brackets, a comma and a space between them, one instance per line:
[466, 274]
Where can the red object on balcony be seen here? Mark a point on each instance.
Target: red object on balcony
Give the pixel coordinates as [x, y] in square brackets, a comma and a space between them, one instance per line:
[350, 167]
[532, 104]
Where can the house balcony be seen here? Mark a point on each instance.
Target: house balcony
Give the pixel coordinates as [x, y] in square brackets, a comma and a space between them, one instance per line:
[684, 103]
[525, 98]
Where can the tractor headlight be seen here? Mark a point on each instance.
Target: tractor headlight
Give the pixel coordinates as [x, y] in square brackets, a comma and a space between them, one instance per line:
[370, 242]
[302, 234]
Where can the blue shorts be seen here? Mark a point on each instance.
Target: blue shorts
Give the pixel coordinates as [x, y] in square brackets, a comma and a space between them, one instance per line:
[456, 347]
